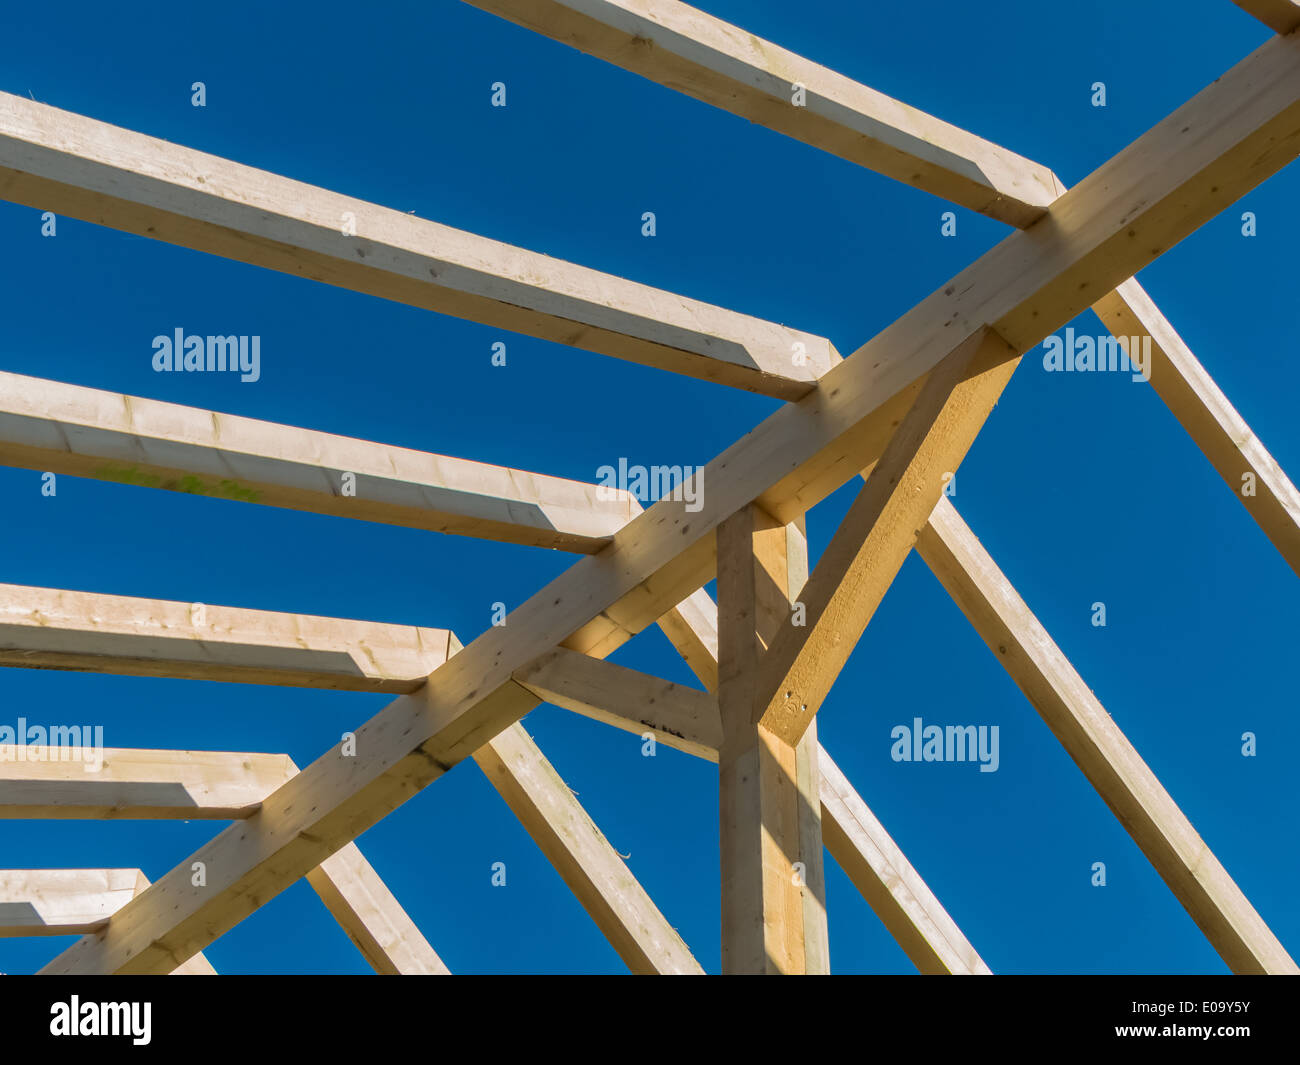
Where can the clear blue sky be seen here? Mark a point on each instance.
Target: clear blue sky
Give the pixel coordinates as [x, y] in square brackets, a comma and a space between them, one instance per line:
[1083, 487]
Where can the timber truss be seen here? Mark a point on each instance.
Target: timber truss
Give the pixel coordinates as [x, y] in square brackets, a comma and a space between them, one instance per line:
[900, 412]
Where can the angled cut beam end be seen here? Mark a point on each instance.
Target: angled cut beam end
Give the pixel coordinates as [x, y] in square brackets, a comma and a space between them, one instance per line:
[50, 628]
[124, 783]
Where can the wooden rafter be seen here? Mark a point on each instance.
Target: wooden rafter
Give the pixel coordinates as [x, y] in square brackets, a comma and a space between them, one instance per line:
[58, 782]
[60, 902]
[584, 858]
[372, 917]
[1091, 737]
[1211, 421]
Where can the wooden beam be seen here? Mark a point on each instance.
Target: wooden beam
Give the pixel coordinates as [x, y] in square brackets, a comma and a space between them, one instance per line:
[195, 966]
[1281, 16]
[372, 918]
[582, 856]
[893, 888]
[57, 161]
[788, 571]
[877, 534]
[132, 783]
[85, 432]
[696, 54]
[64, 783]
[43, 628]
[678, 716]
[1211, 421]
[1098, 747]
[1231, 136]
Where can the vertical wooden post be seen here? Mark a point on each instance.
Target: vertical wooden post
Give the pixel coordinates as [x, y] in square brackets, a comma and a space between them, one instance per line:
[773, 895]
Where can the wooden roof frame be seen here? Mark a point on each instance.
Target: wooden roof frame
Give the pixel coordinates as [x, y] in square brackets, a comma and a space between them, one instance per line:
[900, 412]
